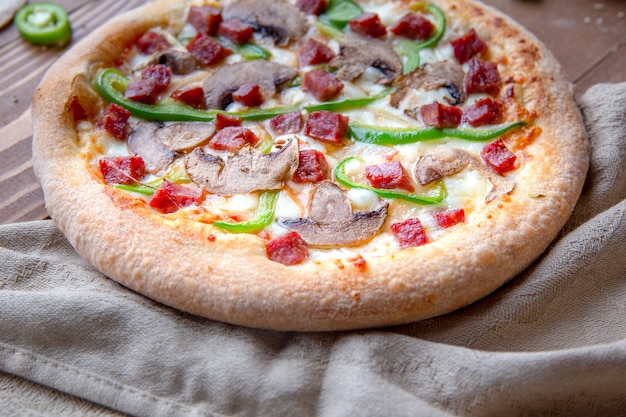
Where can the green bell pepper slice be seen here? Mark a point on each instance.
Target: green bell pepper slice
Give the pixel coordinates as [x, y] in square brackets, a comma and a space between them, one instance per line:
[44, 24]
[249, 51]
[339, 12]
[263, 216]
[347, 104]
[342, 178]
[400, 136]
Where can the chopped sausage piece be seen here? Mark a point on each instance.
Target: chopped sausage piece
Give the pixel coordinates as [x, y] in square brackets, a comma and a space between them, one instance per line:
[410, 233]
[232, 139]
[206, 50]
[448, 218]
[321, 84]
[498, 157]
[151, 42]
[468, 46]
[193, 97]
[314, 7]
[235, 31]
[314, 53]
[484, 111]
[154, 79]
[115, 120]
[312, 167]
[389, 175]
[412, 26]
[441, 116]
[327, 126]
[205, 19]
[122, 169]
[222, 121]
[482, 77]
[286, 123]
[249, 95]
[171, 197]
[368, 24]
[289, 249]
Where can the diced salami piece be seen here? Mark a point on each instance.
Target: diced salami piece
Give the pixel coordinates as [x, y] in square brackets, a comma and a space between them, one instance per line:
[222, 121]
[142, 91]
[368, 24]
[314, 7]
[389, 175]
[312, 167]
[409, 233]
[248, 95]
[193, 97]
[314, 53]
[441, 116]
[327, 126]
[235, 31]
[289, 249]
[498, 157]
[448, 218]
[232, 139]
[482, 77]
[484, 111]
[171, 197]
[206, 50]
[115, 119]
[286, 123]
[412, 26]
[122, 169]
[205, 19]
[468, 46]
[159, 75]
[321, 84]
[151, 42]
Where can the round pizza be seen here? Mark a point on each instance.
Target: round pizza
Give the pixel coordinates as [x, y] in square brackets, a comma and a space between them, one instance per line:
[310, 164]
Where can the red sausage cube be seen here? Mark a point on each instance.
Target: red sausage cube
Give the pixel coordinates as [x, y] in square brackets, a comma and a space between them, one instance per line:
[468, 46]
[321, 84]
[286, 123]
[115, 119]
[193, 97]
[248, 95]
[235, 31]
[412, 26]
[314, 53]
[484, 111]
[206, 50]
[368, 24]
[312, 167]
[441, 116]
[409, 233]
[289, 249]
[482, 77]
[448, 218]
[327, 126]
[154, 79]
[389, 175]
[222, 121]
[171, 197]
[205, 19]
[314, 7]
[232, 139]
[151, 42]
[122, 169]
[498, 157]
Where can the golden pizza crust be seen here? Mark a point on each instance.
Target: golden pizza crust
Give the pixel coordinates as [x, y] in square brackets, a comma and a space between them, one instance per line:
[230, 278]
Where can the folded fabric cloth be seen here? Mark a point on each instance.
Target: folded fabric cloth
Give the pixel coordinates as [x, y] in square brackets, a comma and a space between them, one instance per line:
[552, 342]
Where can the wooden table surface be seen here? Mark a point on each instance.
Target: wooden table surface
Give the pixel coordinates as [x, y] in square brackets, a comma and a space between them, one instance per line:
[588, 37]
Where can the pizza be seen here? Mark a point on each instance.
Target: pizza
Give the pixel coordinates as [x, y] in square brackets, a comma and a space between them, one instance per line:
[310, 165]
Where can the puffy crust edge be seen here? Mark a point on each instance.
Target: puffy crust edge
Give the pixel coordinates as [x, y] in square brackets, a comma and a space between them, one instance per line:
[232, 280]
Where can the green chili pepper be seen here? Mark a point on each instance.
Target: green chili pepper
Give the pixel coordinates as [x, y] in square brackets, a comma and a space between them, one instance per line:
[111, 84]
[339, 12]
[349, 103]
[249, 51]
[175, 175]
[44, 24]
[263, 216]
[329, 30]
[342, 178]
[399, 136]
[411, 49]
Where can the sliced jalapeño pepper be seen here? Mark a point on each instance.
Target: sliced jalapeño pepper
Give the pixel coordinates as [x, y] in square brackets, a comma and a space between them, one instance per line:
[44, 24]
[342, 178]
[400, 136]
[263, 216]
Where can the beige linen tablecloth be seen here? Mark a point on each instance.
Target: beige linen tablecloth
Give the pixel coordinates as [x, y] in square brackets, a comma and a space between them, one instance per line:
[551, 343]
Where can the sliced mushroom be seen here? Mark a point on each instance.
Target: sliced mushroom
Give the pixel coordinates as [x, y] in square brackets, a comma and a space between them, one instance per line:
[180, 62]
[143, 142]
[432, 77]
[278, 19]
[247, 171]
[270, 76]
[184, 136]
[357, 53]
[331, 222]
[445, 162]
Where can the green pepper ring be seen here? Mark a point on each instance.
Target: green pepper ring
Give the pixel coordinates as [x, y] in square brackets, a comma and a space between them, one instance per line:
[57, 33]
